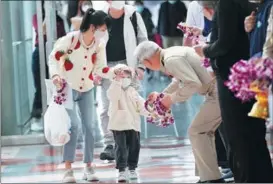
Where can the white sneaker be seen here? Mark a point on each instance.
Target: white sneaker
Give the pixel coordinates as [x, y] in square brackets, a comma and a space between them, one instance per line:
[69, 177]
[122, 177]
[133, 175]
[89, 174]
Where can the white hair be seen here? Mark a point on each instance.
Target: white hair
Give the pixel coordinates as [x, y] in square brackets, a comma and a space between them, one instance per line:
[145, 50]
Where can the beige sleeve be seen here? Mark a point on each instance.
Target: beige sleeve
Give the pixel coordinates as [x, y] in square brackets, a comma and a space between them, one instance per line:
[189, 81]
[172, 87]
[268, 46]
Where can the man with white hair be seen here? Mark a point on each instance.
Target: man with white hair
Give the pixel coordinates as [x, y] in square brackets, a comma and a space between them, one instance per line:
[189, 78]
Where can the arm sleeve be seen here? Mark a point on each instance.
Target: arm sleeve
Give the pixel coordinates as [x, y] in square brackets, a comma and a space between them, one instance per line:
[114, 91]
[61, 45]
[172, 87]
[190, 82]
[141, 106]
[190, 18]
[268, 46]
[228, 23]
[100, 67]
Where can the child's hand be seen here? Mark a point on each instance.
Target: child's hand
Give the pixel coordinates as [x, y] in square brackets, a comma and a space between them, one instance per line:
[97, 80]
[152, 96]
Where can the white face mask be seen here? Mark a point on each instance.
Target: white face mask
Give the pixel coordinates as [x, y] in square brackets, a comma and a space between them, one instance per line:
[118, 5]
[99, 34]
[126, 82]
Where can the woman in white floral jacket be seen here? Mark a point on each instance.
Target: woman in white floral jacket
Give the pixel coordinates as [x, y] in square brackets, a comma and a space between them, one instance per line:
[75, 58]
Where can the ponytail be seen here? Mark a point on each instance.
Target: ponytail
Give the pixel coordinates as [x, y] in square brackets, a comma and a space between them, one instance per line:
[96, 18]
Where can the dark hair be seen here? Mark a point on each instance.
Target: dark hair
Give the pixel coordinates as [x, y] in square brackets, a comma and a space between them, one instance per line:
[139, 2]
[96, 18]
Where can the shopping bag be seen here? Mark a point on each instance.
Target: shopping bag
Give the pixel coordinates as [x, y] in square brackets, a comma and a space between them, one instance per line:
[57, 125]
[52, 92]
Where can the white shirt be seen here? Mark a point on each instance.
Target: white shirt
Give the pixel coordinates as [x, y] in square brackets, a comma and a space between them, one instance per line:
[82, 67]
[125, 108]
[130, 39]
[195, 15]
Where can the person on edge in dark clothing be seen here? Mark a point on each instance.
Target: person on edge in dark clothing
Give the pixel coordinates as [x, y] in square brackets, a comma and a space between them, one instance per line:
[171, 13]
[121, 41]
[249, 156]
[258, 29]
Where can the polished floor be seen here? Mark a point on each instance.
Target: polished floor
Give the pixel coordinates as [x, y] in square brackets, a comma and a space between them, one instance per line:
[42, 164]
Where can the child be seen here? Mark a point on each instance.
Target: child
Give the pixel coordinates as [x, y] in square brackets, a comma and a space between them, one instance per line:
[126, 106]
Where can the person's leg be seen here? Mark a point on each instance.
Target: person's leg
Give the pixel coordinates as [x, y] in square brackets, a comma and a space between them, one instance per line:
[166, 42]
[37, 103]
[221, 150]
[177, 41]
[133, 143]
[250, 160]
[121, 151]
[108, 153]
[201, 134]
[70, 148]
[86, 107]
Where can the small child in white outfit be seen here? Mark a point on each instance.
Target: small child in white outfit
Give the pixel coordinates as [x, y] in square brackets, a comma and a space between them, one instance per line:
[126, 107]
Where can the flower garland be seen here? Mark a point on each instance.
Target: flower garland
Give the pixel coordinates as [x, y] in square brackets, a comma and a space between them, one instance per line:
[188, 33]
[206, 63]
[160, 115]
[60, 97]
[244, 74]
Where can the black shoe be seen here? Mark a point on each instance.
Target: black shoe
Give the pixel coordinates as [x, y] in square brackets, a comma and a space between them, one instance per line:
[225, 170]
[108, 153]
[213, 181]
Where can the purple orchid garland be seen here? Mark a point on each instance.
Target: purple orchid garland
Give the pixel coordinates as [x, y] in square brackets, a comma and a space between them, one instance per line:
[244, 73]
[60, 97]
[160, 115]
[188, 33]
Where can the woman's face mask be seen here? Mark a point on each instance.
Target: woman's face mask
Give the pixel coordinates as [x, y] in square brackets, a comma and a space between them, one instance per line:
[118, 5]
[139, 8]
[99, 34]
[126, 82]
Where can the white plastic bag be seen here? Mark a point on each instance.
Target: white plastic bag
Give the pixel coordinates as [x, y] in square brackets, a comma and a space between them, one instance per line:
[57, 125]
[52, 91]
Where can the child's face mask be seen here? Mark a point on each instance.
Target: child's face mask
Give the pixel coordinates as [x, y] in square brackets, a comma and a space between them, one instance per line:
[126, 82]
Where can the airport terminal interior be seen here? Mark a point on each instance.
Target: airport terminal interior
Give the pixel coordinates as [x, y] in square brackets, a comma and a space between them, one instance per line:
[166, 154]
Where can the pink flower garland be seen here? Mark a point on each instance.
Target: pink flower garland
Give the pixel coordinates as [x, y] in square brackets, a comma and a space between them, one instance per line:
[160, 115]
[188, 33]
[206, 63]
[244, 73]
[60, 97]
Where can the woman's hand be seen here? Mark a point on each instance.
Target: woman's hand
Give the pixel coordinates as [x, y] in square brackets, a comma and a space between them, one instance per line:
[57, 81]
[152, 96]
[250, 22]
[97, 80]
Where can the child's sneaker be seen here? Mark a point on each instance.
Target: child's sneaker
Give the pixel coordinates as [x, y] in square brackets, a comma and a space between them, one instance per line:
[89, 174]
[122, 177]
[69, 177]
[133, 175]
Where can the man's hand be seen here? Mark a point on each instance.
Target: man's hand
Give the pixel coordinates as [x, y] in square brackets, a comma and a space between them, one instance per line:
[196, 31]
[250, 22]
[167, 101]
[199, 50]
[57, 81]
[152, 96]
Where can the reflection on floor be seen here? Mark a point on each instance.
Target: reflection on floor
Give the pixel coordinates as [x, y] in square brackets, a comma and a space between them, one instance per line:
[42, 164]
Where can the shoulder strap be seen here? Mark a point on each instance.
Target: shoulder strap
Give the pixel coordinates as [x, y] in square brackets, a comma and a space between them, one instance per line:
[133, 19]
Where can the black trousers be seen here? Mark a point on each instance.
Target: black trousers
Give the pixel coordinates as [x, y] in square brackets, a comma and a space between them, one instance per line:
[222, 147]
[249, 156]
[37, 103]
[127, 147]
